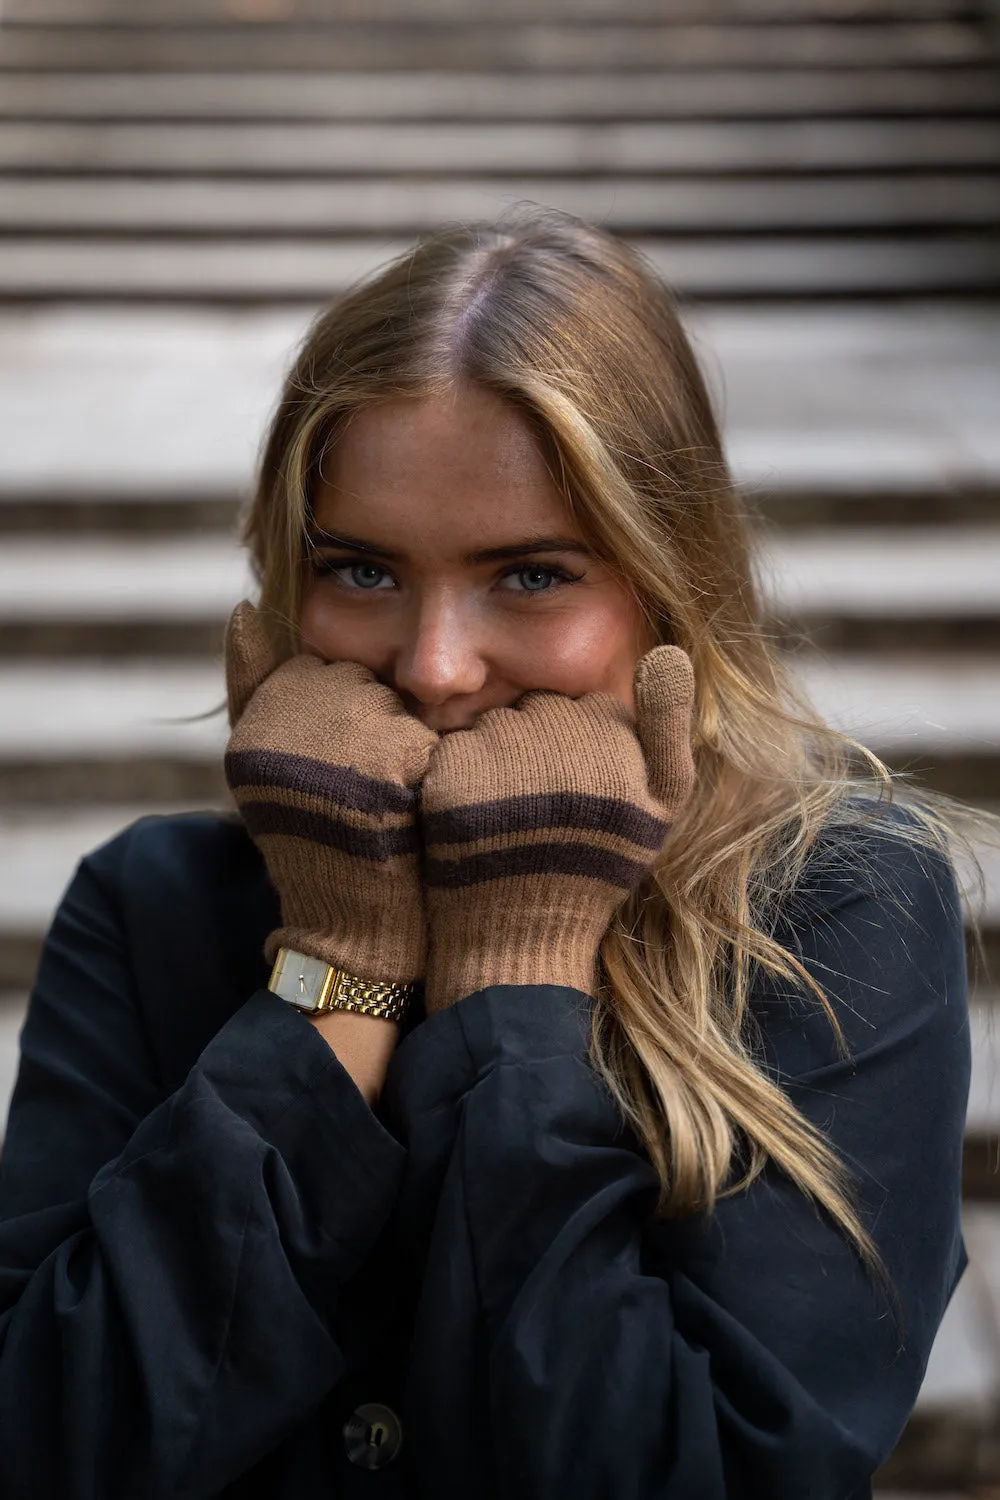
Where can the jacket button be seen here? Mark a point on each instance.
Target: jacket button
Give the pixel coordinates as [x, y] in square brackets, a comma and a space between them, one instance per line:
[373, 1435]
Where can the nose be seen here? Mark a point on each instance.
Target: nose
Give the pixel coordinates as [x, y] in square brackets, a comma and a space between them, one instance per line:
[440, 655]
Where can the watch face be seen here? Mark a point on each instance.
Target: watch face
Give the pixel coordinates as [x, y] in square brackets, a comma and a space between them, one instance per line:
[301, 980]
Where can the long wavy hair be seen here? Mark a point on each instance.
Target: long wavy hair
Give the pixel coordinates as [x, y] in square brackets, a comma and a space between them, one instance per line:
[571, 326]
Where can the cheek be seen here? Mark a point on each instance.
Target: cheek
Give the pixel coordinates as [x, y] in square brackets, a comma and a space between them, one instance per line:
[586, 651]
[333, 633]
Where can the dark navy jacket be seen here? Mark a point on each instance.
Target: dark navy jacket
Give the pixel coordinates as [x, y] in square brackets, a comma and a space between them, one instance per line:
[211, 1250]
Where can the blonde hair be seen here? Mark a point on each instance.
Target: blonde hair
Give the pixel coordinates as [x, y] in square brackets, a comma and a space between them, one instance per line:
[571, 326]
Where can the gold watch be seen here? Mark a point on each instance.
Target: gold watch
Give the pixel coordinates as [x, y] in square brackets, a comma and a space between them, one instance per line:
[316, 987]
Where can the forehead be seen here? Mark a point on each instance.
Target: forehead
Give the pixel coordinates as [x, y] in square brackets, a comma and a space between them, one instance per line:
[460, 467]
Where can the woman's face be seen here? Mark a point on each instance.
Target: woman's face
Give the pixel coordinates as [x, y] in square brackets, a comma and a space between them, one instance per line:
[446, 562]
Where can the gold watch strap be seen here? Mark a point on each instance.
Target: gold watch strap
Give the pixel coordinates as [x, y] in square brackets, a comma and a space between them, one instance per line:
[316, 987]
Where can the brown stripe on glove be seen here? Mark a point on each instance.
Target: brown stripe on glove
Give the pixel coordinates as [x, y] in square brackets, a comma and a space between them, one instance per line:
[542, 833]
[316, 778]
[294, 796]
[602, 856]
[480, 820]
[279, 820]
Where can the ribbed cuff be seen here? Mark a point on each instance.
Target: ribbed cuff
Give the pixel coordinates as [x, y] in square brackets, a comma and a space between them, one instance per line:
[371, 956]
[521, 936]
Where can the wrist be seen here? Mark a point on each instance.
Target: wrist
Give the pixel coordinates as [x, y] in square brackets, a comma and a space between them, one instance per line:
[363, 1045]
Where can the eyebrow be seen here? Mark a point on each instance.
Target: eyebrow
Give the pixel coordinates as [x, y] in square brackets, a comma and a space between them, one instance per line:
[319, 538]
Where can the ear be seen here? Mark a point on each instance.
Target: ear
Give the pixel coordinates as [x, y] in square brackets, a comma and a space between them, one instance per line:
[664, 698]
[249, 658]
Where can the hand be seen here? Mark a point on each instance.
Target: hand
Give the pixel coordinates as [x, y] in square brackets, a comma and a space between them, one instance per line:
[323, 761]
[539, 821]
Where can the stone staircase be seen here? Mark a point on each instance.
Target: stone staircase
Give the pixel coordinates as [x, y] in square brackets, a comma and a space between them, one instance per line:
[180, 187]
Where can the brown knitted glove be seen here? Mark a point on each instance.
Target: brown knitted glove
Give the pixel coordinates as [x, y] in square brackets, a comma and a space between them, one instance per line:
[539, 820]
[323, 761]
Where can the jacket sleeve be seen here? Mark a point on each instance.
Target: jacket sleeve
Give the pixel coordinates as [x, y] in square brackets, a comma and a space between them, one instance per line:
[169, 1265]
[748, 1354]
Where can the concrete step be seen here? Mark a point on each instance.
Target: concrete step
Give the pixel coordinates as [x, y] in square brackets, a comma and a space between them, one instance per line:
[494, 44]
[403, 205]
[983, 1118]
[12, 1011]
[115, 640]
[876, 391]
[104, 778]
[863, 404]
[791, 509]
[964, 1369]
[50, 711]
[290, 270]
[870, 574]
[878, 571]
[902, 634]
[39, 852]
[40, 848]
[904, 708]
[156, 580]
[647, 205]
[88, 778]
[906, 634]
[54, 712]
[470, 148]
[664, 94]
[946, 1377]
[157, 13]
[95, 401]
[92, 514]
[82, 513]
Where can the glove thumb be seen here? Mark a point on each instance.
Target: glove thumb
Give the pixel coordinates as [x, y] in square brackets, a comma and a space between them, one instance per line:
[249, 658]
[664, 699]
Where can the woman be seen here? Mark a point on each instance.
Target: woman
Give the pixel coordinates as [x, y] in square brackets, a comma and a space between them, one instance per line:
[552, 1084]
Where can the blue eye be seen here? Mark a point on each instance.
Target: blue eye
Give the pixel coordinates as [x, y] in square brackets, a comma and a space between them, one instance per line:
[361, 573]
[364, 576]
[535, 578]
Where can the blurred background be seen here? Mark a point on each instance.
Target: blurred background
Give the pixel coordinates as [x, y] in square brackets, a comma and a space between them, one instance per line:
[183, 182]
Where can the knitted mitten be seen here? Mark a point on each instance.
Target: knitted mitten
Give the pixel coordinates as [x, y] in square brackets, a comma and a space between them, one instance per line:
[539, 820]
[323, 761]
